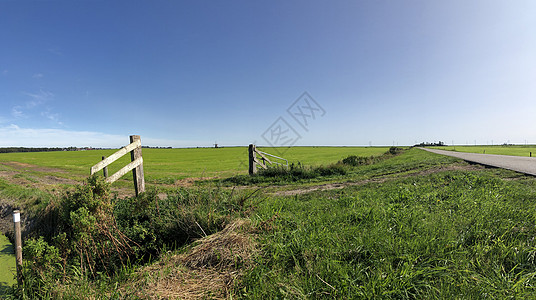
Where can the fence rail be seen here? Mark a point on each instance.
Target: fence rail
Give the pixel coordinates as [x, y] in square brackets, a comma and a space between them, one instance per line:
[254, 161]
[110, 159]
[136, 164]
[274, 162]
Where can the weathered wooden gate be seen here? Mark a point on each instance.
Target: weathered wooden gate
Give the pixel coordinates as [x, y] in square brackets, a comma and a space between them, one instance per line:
[136, 164]
[254, 161]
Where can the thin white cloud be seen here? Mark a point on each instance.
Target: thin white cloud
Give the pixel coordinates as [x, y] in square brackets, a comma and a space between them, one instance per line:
[29, 108]
[38, 75]
[4, 72]
[15, 136]
[52, 117]
[38, 98]
[55, 50]
[16, 112]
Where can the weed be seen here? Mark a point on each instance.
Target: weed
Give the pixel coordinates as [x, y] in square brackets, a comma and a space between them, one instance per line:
[180, 217]
[89, 235]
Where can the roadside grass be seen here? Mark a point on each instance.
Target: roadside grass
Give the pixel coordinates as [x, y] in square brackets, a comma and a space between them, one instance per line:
[451, 234]
[429, 226]
[412, 161]
[516, 150]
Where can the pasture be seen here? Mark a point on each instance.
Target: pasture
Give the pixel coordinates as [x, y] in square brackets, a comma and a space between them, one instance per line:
[408, 226]
[166, 166]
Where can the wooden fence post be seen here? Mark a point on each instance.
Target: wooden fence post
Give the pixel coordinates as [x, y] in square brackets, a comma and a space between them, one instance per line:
[137, 173]
[252, 166]
[105, 169]
[18, 245]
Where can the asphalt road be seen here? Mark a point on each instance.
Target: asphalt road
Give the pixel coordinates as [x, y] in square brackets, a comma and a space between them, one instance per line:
[521, 164]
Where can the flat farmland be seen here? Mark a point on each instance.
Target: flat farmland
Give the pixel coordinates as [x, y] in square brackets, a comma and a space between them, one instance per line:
[165, 166]
[408, 225]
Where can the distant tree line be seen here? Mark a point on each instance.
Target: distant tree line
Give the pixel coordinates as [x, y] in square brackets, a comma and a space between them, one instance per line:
[427, 144]
[47, 149]
[42, 149]
[156, 147]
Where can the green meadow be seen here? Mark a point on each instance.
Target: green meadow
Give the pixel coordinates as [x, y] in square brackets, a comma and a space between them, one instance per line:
[169, 165]
[404, 225]
[462, 234]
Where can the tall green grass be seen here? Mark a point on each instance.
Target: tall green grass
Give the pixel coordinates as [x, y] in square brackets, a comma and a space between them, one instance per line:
[88, 235]
[425, 228]
[23, 196]
[452, 234]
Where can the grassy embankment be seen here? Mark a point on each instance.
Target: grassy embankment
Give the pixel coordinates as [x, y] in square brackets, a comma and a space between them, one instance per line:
[416, 225]
[516, 150]
[449, 234]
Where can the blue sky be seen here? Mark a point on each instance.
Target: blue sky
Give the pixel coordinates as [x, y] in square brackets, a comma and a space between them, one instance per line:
[191, 73]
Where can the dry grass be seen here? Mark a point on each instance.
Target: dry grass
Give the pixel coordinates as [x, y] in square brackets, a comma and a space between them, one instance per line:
[207, 271]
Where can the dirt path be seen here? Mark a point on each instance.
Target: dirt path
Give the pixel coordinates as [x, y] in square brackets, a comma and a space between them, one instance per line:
[341, 185]
[526, 165]
[45, 178]
[24, 174]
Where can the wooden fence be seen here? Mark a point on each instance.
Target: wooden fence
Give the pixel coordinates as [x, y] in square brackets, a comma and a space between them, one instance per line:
[136, 164]
[263, 162]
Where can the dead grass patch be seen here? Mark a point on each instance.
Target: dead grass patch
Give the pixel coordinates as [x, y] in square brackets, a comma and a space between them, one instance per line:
[207, 271]
[24, 166]
[189, 182]
[32, 176]
[337, 186]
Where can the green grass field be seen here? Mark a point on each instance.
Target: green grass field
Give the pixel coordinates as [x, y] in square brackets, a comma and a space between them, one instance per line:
[169, 165]
[412, 226]
[464, 234]
[515, 150]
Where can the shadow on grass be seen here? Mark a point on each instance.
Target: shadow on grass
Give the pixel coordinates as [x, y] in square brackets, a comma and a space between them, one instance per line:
[4, 289]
